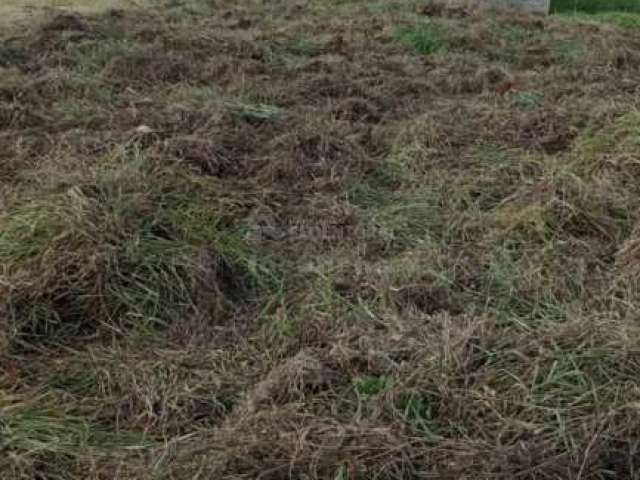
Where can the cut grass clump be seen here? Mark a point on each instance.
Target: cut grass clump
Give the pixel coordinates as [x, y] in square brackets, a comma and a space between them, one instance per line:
[30, 229]
[257, 111]
[611, 150]
[162, 394]
[425, 38]
[36, 433]
[118, 252]
[94, 57]
[57, 294]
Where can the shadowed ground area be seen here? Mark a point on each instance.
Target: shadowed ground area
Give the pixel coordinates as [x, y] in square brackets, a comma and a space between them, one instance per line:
[319, 240]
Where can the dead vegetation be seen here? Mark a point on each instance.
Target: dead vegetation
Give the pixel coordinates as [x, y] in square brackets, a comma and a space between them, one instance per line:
[320, 240]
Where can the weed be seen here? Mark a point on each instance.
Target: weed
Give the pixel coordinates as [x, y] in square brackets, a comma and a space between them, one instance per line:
[504, 41]
[259, 111]
[28, 230]
[38, 430]
[425, 38]
[416, 410]
[570, 51]
[367, 387]
[93, 57]
[201, 95]
[79, 113]
[527, 99]
[304, 47]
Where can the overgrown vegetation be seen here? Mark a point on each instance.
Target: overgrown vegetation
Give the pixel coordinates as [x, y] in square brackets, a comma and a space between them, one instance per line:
[321, 240]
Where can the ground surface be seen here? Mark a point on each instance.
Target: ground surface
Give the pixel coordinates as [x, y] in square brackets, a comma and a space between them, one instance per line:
[319, 240]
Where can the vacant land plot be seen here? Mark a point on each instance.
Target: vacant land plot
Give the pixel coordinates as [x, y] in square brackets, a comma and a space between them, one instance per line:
[319, 240]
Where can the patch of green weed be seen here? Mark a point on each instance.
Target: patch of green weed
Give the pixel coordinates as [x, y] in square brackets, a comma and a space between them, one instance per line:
[34, 427]
[425, 38]
[369, 386]
[28, 230]
[91, 58]
[416, 410]
[304, 47]
[254, 111]
[527, 99]
[569, 51]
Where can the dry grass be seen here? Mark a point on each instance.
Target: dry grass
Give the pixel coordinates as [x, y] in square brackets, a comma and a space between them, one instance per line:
[322, 240]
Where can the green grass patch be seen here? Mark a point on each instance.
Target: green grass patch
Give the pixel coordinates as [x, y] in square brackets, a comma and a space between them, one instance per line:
[304, 47]
[92, 57]
[425, 38]
[369, 386]
[417, 411]
[629, 20]
[595, 6]
[527, 99]
[569, 52]
[38, 431]
[28, 230]
[622, 19]
[254, 111]
[151, 251]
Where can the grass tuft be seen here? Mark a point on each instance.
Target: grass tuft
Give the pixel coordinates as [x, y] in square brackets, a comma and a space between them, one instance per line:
[425, 38]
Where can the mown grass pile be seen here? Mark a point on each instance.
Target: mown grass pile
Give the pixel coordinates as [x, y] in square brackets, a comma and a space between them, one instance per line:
[323, 240]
